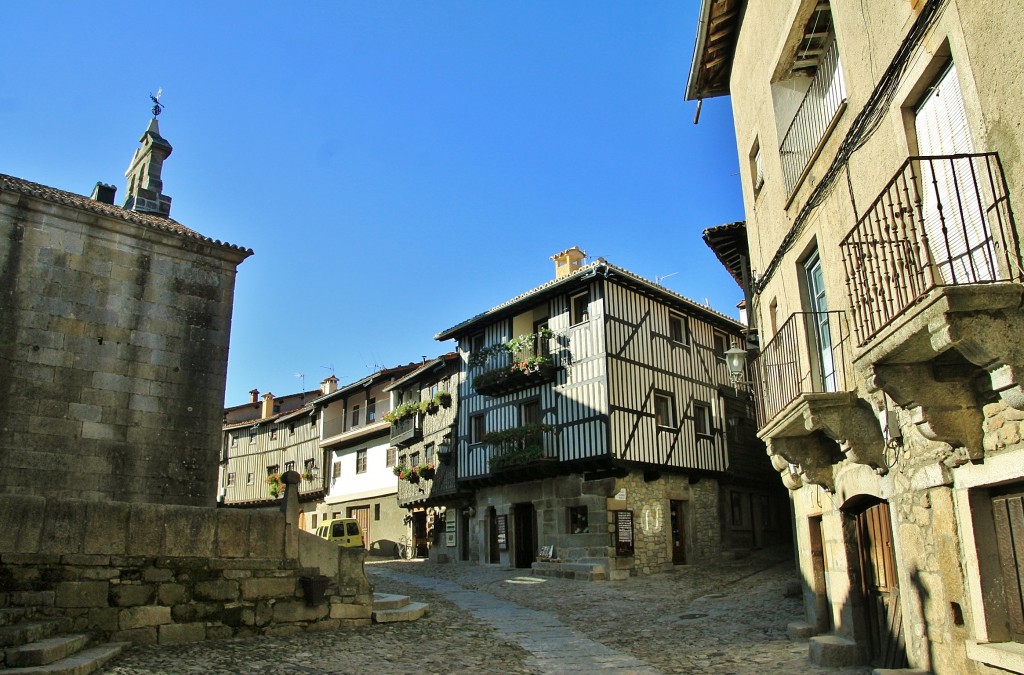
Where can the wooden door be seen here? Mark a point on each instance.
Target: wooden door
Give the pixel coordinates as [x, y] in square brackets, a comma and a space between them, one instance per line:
[1008, 514]
[493, 553]
[362, 516]
[883, 615]
[525, 518]
[678, 515]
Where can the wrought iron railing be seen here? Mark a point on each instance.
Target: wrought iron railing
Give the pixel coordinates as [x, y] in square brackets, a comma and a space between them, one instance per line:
[819, 106]
[941, 221]
[807, 355]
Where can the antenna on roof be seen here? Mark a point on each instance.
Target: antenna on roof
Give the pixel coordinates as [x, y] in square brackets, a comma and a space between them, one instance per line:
[302, 376]
[330, 368]
[659, 277]
[158, 107]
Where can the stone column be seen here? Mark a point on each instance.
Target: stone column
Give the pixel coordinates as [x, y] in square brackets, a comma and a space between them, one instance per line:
[290, 506]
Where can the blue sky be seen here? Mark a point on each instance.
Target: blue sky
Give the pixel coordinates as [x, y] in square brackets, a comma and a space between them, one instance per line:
[397, 167]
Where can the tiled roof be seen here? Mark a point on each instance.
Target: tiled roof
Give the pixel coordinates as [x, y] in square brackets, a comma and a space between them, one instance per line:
[423, 370]
[73, 200]
[598, 266]
[729, 244]
[369, 379]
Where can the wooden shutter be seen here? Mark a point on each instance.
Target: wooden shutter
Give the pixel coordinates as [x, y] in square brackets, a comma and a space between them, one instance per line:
[1008, 514]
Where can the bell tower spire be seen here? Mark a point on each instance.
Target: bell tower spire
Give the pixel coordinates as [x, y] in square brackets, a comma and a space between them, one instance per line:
[145, 188]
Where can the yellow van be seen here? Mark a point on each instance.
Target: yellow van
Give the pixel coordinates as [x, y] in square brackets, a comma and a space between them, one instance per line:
[342, 531]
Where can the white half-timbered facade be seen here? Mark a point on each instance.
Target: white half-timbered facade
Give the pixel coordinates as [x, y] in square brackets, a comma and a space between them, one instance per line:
[597, 393]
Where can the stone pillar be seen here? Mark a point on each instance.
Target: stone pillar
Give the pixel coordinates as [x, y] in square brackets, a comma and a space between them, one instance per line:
[290, 506]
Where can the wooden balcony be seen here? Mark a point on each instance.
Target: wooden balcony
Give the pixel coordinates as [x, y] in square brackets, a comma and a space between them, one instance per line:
[407, 430]
[510, 379]
[933, 274]
[809, 414]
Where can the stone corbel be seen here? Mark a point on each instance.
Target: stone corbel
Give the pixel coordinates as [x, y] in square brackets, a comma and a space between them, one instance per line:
[855, 428]
[947, 412]
[814, 454]
[790, 478]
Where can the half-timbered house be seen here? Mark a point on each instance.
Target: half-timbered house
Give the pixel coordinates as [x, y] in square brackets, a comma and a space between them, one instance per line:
[424, 407]
[598, 427]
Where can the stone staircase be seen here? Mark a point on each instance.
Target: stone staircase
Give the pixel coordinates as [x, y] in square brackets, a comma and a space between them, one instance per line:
[45, 646]
[388, 608]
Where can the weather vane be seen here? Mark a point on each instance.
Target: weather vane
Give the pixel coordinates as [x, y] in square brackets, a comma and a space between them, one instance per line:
[158, 107]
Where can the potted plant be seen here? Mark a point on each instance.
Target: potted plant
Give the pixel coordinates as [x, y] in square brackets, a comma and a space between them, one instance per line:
[429, 406]
[399, 470]
[443, 398]
[427, 471]
[412, 475]
[275, 484]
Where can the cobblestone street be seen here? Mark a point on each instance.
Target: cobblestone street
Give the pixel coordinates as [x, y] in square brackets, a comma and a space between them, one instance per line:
[726, 618]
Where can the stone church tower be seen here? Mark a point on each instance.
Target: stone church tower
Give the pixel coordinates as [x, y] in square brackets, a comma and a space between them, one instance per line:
[145, 188]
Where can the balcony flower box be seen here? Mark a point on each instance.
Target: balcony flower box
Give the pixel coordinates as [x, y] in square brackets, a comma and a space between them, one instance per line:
[516, 377]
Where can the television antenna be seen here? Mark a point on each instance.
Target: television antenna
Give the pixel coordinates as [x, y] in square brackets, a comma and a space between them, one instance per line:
[658, 278]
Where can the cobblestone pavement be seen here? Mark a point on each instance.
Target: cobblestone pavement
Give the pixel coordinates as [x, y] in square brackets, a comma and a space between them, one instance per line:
[724, 618]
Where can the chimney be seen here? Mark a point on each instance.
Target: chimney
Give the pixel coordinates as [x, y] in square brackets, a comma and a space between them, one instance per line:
[254, 396]
[103, 193]
[268, 406]
[568, 261]
[329, 385]
[145, 187]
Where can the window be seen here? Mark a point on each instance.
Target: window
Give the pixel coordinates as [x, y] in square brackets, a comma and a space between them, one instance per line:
[252, 434]
[756, 167]
[250, 478]
[312, 421]
[428, 453]
[529, 412]
[309, 467]
[414, 459]
[335, 515]
[376, 511]
[721, 345]
[371, 411]
[272, 469]
[810, 96]
[360, 461]
[355, 416]
[476, 343]
[678, 329]
[312, 520]
[231, 478]
[477, 428]
[578, 523]
[291, 429]
[579, 308]
[392, 456]
[289, 466]
[702, 418]
[664, 411]
[335, 471]
[234, 440]
[273, 433]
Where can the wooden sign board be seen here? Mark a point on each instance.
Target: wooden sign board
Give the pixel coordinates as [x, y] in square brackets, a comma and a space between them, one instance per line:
[502, 523]
[623, 533]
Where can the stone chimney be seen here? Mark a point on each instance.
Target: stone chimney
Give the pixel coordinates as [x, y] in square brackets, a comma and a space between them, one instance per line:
[568, 261]
[103, 193]
[145, 188]
[254, 396]
[268, 406]
[329, 385]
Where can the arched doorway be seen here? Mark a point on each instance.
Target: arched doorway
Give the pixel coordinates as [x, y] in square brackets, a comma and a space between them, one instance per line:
[879, 585]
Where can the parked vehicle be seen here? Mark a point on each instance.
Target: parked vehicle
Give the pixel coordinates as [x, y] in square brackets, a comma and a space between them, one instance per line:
[342, 531]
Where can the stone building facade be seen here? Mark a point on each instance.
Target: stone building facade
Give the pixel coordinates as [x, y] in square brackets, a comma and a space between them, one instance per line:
[881, 158]
[113, 344]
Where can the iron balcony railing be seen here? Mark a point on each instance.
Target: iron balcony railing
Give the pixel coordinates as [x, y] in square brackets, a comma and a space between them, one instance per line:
[941, 221]
[807, 355]
[814, 116]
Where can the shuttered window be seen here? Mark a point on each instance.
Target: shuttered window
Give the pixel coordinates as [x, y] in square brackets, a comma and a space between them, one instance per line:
[953, 218]
[1008, 514]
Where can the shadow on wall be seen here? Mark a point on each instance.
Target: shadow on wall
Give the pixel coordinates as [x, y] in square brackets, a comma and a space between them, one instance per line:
[383, 548]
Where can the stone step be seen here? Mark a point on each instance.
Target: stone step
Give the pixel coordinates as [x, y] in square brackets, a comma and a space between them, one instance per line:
[31, 631]
[408, 612]
[389, 601]
[564, 570]
[84, 662]
[46, 651]
[12, 615]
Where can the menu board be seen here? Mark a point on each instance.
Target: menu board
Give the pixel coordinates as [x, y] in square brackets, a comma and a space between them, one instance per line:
[623, 533]
[502, 523]
[449, 531]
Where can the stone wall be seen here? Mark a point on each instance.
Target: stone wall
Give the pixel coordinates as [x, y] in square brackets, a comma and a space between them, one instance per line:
[162, 574]
[113, 350]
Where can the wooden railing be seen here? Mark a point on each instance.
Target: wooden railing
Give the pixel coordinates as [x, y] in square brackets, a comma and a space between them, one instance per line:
[941, 221]
[807, 355]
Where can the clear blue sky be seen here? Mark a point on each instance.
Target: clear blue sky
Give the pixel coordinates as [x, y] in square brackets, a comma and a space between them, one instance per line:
[397, 167]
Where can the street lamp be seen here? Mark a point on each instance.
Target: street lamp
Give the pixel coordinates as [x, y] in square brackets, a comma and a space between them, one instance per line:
[736, 362]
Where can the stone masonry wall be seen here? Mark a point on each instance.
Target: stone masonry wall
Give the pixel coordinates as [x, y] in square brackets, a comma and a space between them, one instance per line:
[164, 574]
[113, 353]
